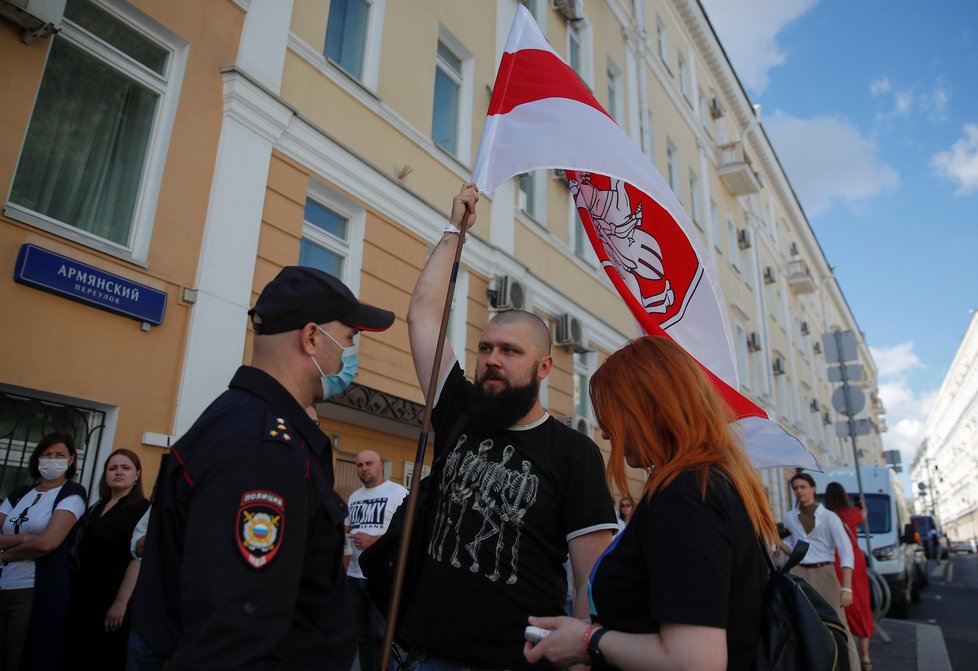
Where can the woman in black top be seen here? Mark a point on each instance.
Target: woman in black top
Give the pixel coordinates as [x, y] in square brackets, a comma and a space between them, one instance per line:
[681, 587]
[103, 580]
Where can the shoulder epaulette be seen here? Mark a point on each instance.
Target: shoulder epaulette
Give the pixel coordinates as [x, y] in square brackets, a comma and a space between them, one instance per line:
[278, 430]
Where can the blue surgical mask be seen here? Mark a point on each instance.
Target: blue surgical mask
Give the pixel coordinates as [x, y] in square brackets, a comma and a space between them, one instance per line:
[334, 384]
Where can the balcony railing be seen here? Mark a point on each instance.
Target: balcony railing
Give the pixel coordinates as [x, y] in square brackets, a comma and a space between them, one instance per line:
[736, 170]
[800, 278]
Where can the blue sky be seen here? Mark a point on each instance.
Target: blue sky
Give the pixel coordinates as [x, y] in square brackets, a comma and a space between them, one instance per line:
[872, 107]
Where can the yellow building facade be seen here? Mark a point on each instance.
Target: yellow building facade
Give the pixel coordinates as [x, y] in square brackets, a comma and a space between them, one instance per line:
[242, 136]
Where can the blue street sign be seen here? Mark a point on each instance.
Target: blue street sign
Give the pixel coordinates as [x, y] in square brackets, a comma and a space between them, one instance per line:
[48, 271]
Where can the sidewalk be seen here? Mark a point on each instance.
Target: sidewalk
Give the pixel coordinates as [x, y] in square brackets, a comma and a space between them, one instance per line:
[913, 646]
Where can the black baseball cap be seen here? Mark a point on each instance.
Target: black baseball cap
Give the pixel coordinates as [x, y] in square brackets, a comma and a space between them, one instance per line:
[299, 295]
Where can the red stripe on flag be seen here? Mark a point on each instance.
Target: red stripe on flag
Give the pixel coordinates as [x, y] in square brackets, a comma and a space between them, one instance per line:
[529, 75]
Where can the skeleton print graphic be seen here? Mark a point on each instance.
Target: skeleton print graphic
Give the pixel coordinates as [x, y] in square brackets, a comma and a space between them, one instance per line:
[478, 492]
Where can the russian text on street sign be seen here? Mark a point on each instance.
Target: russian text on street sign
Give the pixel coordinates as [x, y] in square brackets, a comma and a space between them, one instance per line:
[860, 427]
[831, 347]
[854, 372]
[848, 400]
[58, 274]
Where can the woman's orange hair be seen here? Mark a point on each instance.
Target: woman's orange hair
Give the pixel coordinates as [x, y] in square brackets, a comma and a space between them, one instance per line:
[652, 397]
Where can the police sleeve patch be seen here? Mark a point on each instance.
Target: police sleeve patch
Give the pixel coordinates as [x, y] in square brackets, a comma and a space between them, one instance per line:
[259, 526]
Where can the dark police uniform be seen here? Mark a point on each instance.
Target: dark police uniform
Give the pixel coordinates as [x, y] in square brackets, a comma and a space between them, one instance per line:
[242, 566]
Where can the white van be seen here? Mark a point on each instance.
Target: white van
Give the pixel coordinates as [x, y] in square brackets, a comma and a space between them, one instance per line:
[892, 533]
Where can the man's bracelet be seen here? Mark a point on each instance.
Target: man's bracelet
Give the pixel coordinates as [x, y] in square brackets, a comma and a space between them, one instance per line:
[847, 589]
[451, 229]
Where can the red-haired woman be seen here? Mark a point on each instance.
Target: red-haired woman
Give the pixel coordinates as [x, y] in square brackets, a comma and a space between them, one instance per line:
[104, 581]
[682, 585]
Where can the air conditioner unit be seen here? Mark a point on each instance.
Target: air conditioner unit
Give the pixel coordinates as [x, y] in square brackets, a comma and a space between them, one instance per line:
[754, 342]
[778, 366]
[716, 109]
[769, 277]
[817, 347]
[573, 10]
[37, 18]
[826, 419]
[570, 333]
[743, 238]
[509, 294]
[804, 328]
[578, 423]
[793, 249]
[814, 405]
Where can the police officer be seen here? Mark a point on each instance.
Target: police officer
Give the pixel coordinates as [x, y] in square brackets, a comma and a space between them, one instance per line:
[242, 566]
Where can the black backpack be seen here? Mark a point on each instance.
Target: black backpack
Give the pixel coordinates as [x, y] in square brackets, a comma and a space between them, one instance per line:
[799, 629]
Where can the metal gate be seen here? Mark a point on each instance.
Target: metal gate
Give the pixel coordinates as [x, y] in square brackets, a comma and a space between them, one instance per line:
[25, 420]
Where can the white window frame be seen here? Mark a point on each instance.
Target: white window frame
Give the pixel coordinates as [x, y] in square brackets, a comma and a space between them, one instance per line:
[409, 472]
[704, 111]
[575, 227]
[715, 224]
[537, 210]
[581, 29]
[743, 356]
[616, 97]
[463, 152]
[167, 86]
[672, 166]
[684, 78]
[372, 43]
[733, 249]
[694, 199]
[662, 42]
[586, 369]
[351, 249]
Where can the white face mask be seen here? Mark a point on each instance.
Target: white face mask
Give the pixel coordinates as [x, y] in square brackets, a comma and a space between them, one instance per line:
[52, 469]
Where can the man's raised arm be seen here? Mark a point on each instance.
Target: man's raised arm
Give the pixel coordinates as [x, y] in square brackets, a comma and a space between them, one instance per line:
[428, 299]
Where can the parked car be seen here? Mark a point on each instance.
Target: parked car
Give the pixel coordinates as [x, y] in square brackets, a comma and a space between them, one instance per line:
[962, 546]
[893, 538]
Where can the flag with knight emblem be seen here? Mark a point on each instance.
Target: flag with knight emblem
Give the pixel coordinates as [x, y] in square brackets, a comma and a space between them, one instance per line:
[543, 116]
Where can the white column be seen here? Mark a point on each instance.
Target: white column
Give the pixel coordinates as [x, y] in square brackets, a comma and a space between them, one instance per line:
[261, 52]
[253, 123]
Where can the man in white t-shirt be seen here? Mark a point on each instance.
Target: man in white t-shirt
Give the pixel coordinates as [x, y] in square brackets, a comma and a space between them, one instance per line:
[370, 510]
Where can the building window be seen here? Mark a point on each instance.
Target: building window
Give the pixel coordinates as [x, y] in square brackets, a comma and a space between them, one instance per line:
[582, 377]
[614, 92]
[579, 50]
[331, 226]
[346, 34]
[684, 78]
[662, 41]
[715, 224]
[574, 50]
[704, 110]
[526, 196]
[743, 359]
[578, 236]
[672, 166]
[448, 89]
[733, 249]
[94, 150]
[694, 198]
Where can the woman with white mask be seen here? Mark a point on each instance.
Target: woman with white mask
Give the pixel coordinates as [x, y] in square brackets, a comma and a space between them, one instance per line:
[37, 525]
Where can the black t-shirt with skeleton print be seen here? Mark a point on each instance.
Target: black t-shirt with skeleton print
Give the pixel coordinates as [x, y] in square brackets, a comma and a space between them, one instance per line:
[509, 503]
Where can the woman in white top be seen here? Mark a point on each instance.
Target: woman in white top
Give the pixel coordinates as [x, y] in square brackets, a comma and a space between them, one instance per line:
[37, 524]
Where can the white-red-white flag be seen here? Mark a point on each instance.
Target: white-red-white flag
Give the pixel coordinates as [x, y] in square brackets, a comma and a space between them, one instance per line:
[543, 116]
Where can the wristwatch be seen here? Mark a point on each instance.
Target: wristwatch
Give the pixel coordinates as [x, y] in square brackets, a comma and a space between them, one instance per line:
[597, 659]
